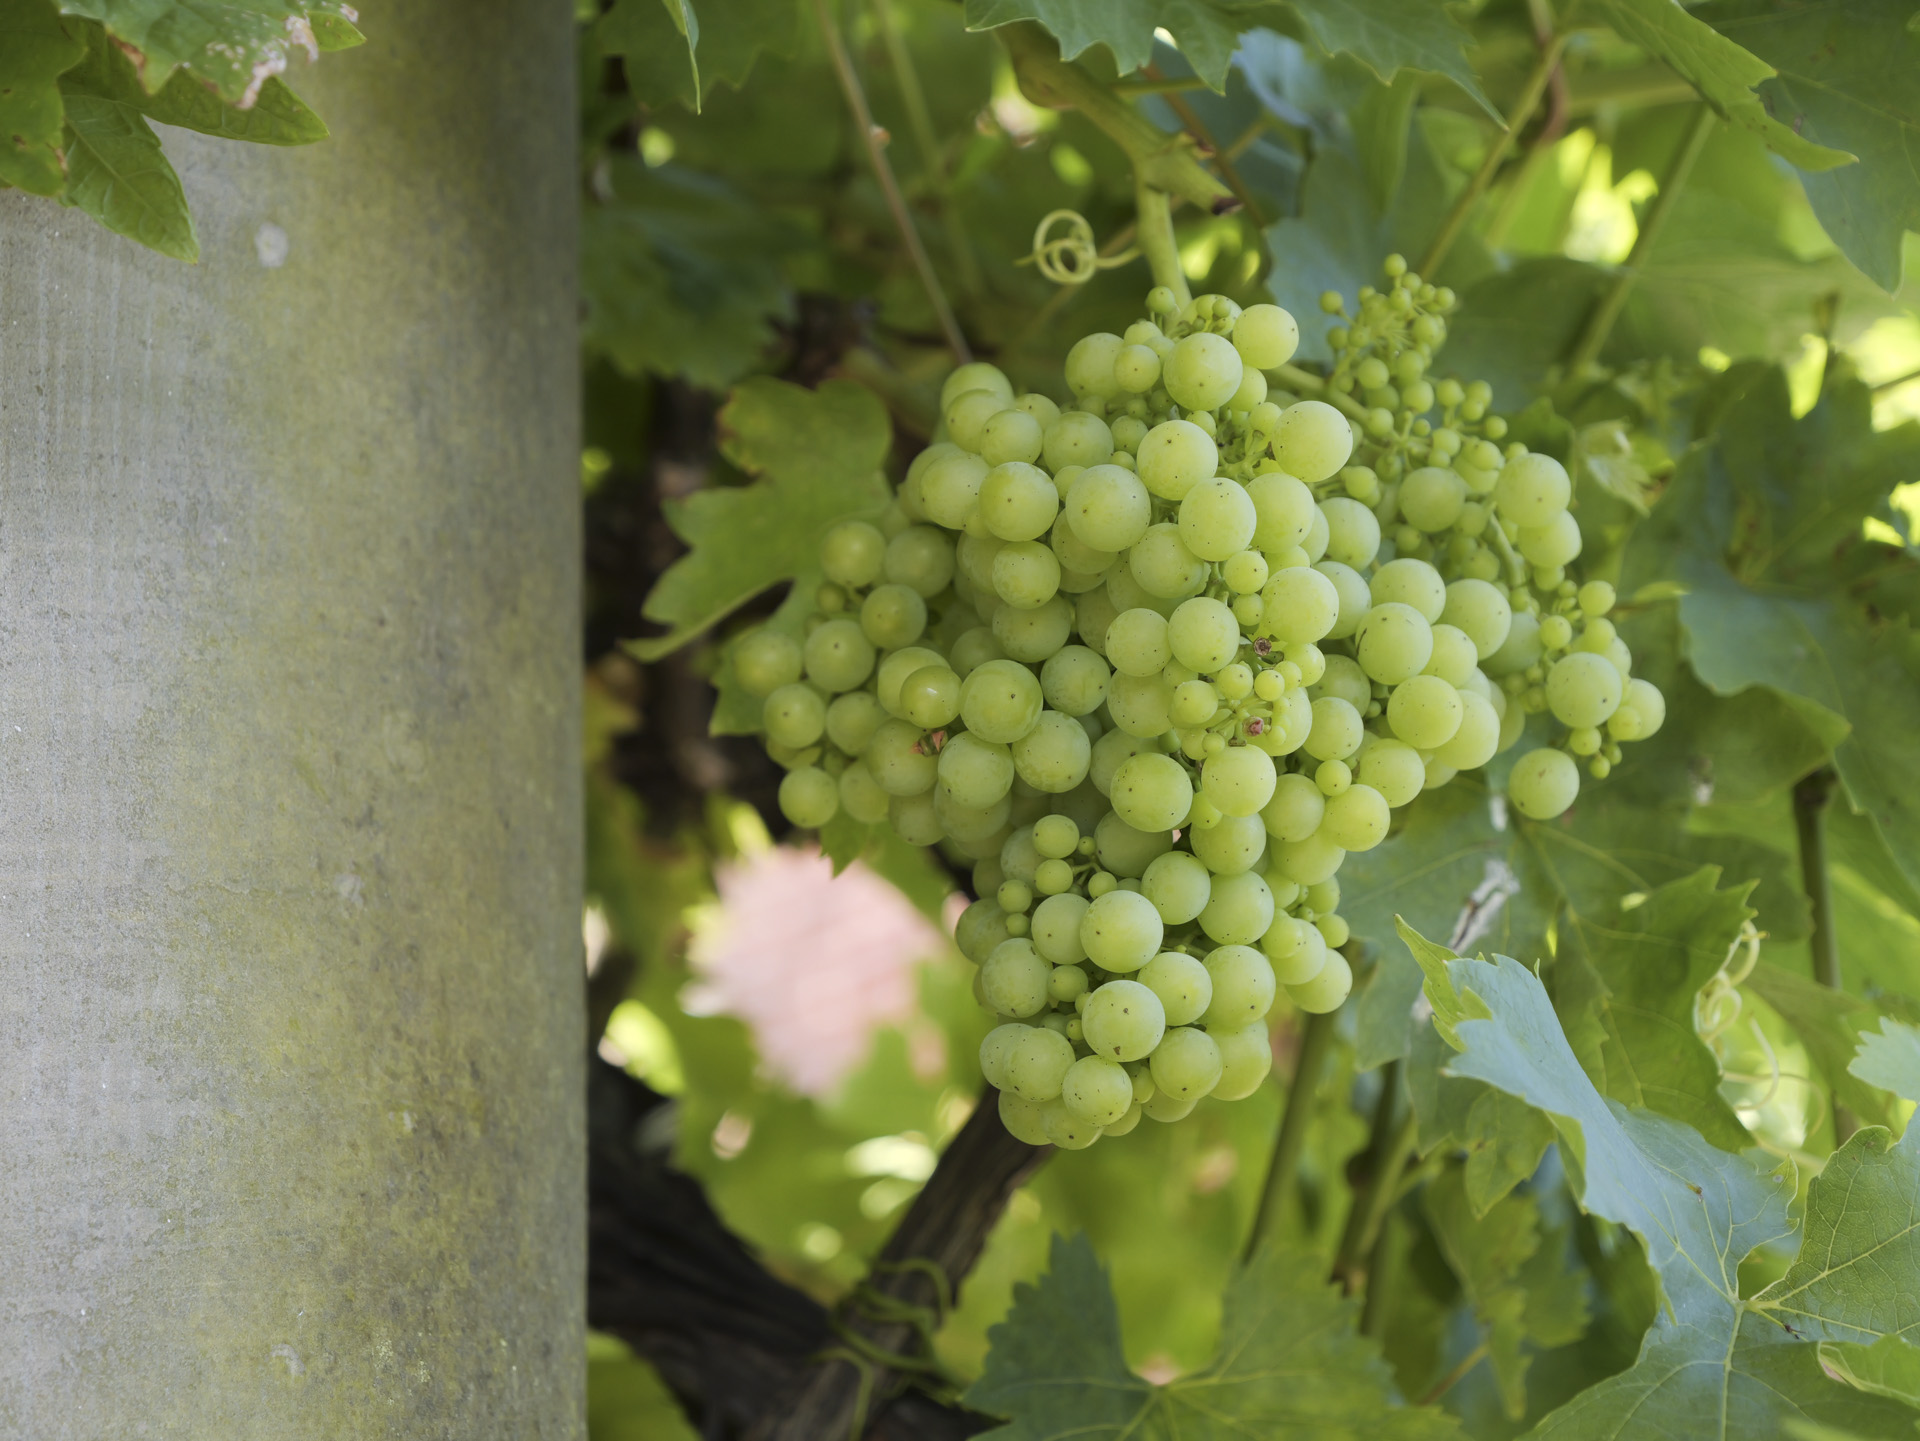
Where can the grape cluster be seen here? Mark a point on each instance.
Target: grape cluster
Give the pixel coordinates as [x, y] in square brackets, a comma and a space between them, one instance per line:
[1157, 662]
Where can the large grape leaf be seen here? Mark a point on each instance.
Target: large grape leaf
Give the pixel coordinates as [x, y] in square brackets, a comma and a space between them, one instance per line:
[1889, 1367]
[1848, 77]
[1290, 1366]
[1389, 36]
[1502, 1137]
[1762, 527]
[1723, 73]
[817, 454]
[1890, 1058]
[677, 50]
[1714, 1364]
[1514, 1273]
[34, 49]
[680, 274]
[117, 173]
[276, 117]
[233, 45]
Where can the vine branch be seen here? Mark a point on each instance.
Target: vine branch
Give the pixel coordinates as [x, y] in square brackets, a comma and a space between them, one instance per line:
[1316, 1037]
[875, 140]
[1154, 218]
[1600, 324]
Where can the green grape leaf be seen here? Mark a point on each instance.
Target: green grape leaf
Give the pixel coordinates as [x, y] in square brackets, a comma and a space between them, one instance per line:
[1650, 964]
[1830, 1025]
[34, 49]
[1762, 527]
[277, 116]
[1502, 1137]
[817, 454]
[235, 46]
[1390, 36]
[681, 274]
[1713, 1364]
[1857, 1277]
[1889, 1367]
[1290, 1365]
[334, 31]
[1207, 31]
[1890, 1058]
[1523, 1293]
[674, 54]
[1723, 73]
[117, 174]
[1846, 78]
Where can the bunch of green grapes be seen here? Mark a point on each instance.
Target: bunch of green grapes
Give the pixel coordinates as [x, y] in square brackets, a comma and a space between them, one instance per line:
[1157, 662]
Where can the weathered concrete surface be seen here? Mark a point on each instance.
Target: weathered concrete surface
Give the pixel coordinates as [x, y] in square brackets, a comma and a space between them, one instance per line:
[290, 1033]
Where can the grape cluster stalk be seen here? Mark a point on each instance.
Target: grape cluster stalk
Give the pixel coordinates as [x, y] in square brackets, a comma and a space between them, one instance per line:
[1158, 661]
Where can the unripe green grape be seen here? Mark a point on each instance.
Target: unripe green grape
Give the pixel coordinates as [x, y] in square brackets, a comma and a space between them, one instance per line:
[1163, 566]
[1137, 642]
[1217, 519]
[1646, 707]
[1167, 1109]
[852, 720]
[1013, 897]
[1596, 597]
[1266, 336]
[1394, 769]
[975, 375]
[1182, 983]
[795, 715]
[1333, 778]
[1372, 373]
[1477, 740]
[1202, 372]
[1141, 705]
[1284, 510]
[1108, 508]
[1522, 648]
[1553, 544]
[1053, 757]
[1235, 682]
[1252, 391]
[974, 826]
[1125, 850]
[1000, 701]
[1299, 606]
[1123, 1020]
[1482, 612]
[1137, 369]
[1355, 599]
[1011, 435]
[1357, 818]
[1096, 1091]
[1203, 634]
[1425, 712]
[1033, 635]
[1017, 500]
[1295, 811]
[1556, 632]
[1178, 887]
[1543, 783]
[1186, 1064]
[1074, 680]
[893, 616]
[1326, 991]
[1068, 983]
[950, 488]
[993, 1052]
[1035, 1064]
[1308, 861]
[1019, 859]
[1532, 490]
[1312, 441]
[1243, 987]
[1414, 583]
[1128, 432]
[967, 415]
[1395, 643]
[1353, 532]
[1584, 740]
[1053, 877]
[1246, 1059]
[1234, 845]
[1318, 534]
[920, 558]
[1194, 703]
[1022, 1119]
[1334, 930]
[1239, 909]
[1337, 729]
[1293, 723]
[898, 761]
[1039, 407]
[1089, 368]
[1454, 655]
[1176, 456]
[1093, 613]
[861, 796]
[809, 797]
[1074, 554]
[1341, 676]
[1294, 949]
[1597, 636]
[1077, 438]
[1056, 929]
[1584, 689]
[975, 773]
[894, 670]
[1026, 574]
[973, 648]
[852, 553]
[1245, 573]
[1431, 498]
[1121, 932]
[1151, 792]
[764, 660]
[1239, 780]
[930, 697]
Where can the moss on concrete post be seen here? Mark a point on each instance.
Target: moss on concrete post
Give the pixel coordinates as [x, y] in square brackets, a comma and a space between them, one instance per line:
[290, 981]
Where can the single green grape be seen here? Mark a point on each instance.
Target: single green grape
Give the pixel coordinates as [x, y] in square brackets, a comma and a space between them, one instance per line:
[852, 719]
[1017, 499]
[974, 772]
[1074, 680]
[1234, 845]
[1141, 705]
[1202, 372]
[973, 648]
[1266, 336]
[1584, 689]
[1432, 497]
[852, 553]
[1067, 983]
[1394, 769]
[1089, 367]
[1054, 756]
[898, 760]
[1125, 851]
[1243, 986]
[1151, 792]
[795, 715]
[1194, 702]
[1137, 642]
[1424, 711]
[920, 558]
[1353, 532]
[1022, 1120]
[838, 656]
[1056, 928]
[1012, 435]
[1217, 519]
[1178, 886]
[1412, 583]
[1533, 489]
[861, 795]
[1327, 990]
[893, 616]
[809, 797]
[930, 697]
[1246, 1059]
[1036, 1064]
[1186, 1064]
[950, 488]
[1295, 811]
[1123, 1020]
[764, 660]
[1283, 508]
[1307, 861]
[1299, 606]
[1097, 1091]
[1163, 566]
[1479, 610]
[1295, 950]
[1000, 701]
[1121, 932]
[1543, 783]
[1239, 910]
[1357, 818]
[1175, 456]
[1033, 635]
[1239, 780]
[1312, 441]
[1395, 643]
[1182, 983]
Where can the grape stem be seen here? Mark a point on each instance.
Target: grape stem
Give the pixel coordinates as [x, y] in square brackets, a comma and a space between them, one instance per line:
[1164, 162]
[1454, 1377]
[1316, 1037]
[1191, 122]
[1600, 324]
[1154, 213]
[1294, 378]
[1523, 108]
[914, 99]
[1812, 795]
[1389, 1144]
[875, 139]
